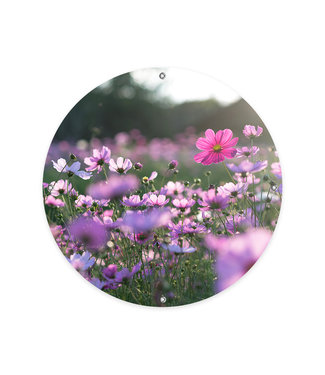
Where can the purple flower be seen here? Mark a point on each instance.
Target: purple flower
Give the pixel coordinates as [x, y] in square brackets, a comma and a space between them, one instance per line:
[184, 227]
[236, 255]
[110, 271]
[144, 221]
[138, 166]
[247, 166]
[89, 232]
[211, 200]
[115, 187]
[247, 151]
[82, 262]
[62, 166]
[84, 201]
[124, 275]
[98, 159]
[121, 166]
[251, 132]
[133, 201]
[240, 223]
[97, 283]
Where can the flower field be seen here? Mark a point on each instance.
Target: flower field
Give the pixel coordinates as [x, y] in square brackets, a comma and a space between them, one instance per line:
[163, 222]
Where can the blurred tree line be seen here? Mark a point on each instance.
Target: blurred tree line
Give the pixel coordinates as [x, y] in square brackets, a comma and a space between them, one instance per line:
[121, 105]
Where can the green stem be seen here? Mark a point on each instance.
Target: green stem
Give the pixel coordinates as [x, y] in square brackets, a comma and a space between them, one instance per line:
[229, 174]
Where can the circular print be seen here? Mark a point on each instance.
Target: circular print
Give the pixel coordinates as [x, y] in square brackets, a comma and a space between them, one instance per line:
[162, 187]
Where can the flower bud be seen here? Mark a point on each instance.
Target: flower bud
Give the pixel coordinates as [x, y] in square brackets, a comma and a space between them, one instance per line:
[173, 164]
[138, 166]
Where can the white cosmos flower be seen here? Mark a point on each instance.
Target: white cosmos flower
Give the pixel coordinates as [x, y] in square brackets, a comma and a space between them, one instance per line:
[120, 166]
[62, 166]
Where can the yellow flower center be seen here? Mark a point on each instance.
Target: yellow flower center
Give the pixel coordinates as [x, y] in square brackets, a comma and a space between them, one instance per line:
[217, 148]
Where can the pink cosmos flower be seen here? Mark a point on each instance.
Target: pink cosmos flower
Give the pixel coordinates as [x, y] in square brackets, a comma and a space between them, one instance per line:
[251, 132]
[121, 166]
[183, 203]
[84, 201]
[98, 159]
[53, 202]
[211, 200]
[184, 227]
[246, 177]
[155, 200]
[174, 188]
[247, 151]
[59, 187]
[232, 190]
[216, 147]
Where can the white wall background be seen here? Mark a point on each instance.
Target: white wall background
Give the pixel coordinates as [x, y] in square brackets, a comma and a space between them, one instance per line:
[53, 53]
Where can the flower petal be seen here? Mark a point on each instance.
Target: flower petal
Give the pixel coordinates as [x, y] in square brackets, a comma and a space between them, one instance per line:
[213, 157]
[119, 162]
[209, 134]
[112, 165]
[216, 157]
[230, 143]
[201, 155]
[74, 167]
[229, 152]
[204, 144]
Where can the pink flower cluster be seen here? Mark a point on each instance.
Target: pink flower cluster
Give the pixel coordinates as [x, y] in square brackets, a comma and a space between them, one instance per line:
[178, 236]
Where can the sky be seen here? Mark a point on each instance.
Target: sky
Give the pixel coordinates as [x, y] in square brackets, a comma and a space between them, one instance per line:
[185, 85]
